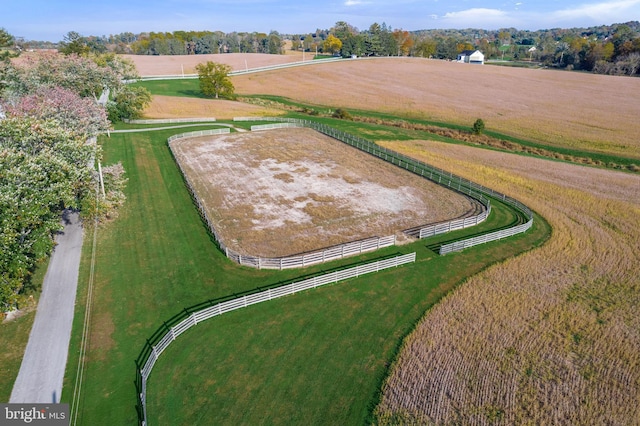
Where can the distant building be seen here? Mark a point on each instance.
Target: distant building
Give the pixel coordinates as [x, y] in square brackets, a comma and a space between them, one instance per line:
[471, 57]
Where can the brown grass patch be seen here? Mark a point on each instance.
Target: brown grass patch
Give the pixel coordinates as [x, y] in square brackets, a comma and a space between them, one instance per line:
[549, 337]
[575, 110]
[283, 192]
[175, 107]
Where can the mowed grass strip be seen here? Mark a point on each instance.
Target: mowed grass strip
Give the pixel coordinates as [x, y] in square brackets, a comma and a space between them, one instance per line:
[158, 258]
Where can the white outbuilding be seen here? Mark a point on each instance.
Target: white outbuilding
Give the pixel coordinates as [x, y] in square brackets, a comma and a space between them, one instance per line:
[471, 57]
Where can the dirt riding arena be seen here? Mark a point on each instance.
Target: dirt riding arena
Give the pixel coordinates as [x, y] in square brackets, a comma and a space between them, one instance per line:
[282, 192]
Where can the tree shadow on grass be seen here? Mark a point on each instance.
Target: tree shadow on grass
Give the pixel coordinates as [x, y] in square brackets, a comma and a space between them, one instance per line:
[193, 94]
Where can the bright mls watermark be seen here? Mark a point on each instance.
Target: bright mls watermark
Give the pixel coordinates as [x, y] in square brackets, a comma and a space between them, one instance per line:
[34, 414]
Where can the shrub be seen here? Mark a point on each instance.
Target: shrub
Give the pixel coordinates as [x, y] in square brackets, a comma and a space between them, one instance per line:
[478, 126]
[342, 114]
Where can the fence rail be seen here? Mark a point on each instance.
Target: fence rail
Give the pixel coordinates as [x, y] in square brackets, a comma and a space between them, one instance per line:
[191, 317]
[442, 177]
[172, 120]
[198, 133]
[246, 70]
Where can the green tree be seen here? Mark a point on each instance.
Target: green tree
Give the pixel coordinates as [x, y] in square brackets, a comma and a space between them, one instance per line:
[74, 43]
[128, 103]
[214, 80]
[426, 47]
[478, 126]
[6, 43]
[43, 170]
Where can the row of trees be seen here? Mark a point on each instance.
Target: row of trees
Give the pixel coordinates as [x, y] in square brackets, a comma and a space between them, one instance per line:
[49, 115]
[605, 49]
[180, 43]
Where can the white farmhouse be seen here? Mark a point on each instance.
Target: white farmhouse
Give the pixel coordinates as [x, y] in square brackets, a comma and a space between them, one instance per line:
[471, 57]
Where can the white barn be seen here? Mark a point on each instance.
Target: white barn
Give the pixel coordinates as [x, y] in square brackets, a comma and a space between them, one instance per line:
[471, 57]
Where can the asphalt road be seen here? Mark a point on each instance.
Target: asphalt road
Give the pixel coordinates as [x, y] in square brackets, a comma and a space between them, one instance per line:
[42, 369]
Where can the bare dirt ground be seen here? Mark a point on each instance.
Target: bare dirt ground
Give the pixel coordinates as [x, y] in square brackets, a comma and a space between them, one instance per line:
[281, 192]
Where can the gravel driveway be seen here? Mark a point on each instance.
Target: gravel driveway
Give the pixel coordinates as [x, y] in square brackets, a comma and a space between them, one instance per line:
[42, 370]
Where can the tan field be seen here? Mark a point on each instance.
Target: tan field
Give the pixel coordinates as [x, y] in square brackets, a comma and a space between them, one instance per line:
[550, 337]
[580, 111]
[173, 107]
[148, 65]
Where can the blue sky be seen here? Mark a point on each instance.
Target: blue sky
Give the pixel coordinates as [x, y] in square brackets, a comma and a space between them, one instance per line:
[52, 19]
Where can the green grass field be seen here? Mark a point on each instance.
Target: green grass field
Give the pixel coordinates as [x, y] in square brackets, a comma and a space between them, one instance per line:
[317, 357]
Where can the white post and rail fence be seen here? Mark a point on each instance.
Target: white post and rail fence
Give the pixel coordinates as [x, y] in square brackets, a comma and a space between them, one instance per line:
[190, 317]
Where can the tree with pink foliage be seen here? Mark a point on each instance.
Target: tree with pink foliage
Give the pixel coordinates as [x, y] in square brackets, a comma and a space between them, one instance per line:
[78, 74]
[74, 113]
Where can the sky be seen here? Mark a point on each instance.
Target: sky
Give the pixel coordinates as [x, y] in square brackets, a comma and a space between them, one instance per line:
[50, 20]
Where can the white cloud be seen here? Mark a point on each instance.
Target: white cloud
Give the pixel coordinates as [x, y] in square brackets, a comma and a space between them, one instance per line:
[608, 11]
[350, 3]
[478, 18]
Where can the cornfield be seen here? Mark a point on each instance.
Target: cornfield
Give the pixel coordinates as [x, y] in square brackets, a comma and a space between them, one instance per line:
[549, 337]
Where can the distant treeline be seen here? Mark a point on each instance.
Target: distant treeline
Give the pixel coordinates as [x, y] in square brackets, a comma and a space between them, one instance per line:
[608, 49]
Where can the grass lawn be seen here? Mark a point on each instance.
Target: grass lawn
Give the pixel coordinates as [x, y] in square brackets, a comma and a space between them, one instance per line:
[314, 358]
[158, 258]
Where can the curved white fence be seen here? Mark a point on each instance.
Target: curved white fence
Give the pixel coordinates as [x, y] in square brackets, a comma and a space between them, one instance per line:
[154, 349]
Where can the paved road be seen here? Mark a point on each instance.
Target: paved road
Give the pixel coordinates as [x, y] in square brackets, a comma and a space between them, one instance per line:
[42, 370]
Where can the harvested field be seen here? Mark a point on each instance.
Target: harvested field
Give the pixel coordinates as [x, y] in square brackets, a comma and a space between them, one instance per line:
[574, 110]
[550, 337]
[175, 107]
[148, 65]
[282, 192]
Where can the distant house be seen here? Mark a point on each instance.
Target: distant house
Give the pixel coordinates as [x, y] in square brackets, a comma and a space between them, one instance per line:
[471, 57]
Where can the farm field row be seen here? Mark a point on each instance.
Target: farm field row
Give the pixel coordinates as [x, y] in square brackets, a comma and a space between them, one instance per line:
[560, 312]
[157, 258]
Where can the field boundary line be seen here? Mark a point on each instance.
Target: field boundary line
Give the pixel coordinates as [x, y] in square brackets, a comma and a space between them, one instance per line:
[190, 317]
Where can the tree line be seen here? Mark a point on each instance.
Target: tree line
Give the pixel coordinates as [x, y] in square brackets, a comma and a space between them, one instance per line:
[49, 118]
[608, 49]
